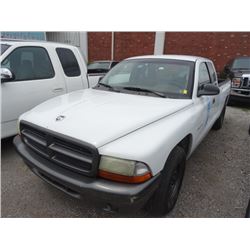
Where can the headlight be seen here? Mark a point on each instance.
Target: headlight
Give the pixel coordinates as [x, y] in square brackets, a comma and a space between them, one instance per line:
[123, 170]
[236, 82]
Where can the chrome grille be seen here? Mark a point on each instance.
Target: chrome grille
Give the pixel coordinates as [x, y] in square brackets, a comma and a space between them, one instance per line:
[245, 83]
[75, 156]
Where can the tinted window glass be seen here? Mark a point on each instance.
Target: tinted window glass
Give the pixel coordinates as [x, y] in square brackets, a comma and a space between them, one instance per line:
[211, 72]
[29, 63]
[203, 74]
[68, 62]
[171, 77]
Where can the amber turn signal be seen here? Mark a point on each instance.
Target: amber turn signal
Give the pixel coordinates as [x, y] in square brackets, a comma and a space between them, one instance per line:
[124, 178]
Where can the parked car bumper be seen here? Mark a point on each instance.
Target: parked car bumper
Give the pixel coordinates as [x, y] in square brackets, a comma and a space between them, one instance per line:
[116, 195]
[240, 95]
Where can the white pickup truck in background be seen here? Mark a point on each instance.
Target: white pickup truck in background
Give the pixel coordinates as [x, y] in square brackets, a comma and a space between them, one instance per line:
[33, 72]
[125, 142]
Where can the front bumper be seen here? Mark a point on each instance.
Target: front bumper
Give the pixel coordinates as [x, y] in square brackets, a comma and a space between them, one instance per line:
[237, 96]
[117, 195]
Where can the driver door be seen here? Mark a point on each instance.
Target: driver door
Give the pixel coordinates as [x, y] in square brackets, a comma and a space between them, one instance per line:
[204, 104]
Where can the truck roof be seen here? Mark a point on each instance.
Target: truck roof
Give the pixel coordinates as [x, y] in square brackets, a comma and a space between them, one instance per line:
[176, 57]
[33, 43]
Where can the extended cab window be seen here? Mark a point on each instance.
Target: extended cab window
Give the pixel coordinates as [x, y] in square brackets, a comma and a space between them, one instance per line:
[203, 74]
[68, 62]
[29, 63]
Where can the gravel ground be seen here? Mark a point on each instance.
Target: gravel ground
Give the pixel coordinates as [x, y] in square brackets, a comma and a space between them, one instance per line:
[216, 182]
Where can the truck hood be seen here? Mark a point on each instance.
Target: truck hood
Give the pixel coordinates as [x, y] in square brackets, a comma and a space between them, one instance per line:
[99, 117]
[239, 73]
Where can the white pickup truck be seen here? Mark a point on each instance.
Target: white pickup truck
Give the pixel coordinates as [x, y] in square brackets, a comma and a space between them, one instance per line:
[33, 72]
[126, 141]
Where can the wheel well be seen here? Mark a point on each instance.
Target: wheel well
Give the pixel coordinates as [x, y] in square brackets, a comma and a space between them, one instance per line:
[186, 143]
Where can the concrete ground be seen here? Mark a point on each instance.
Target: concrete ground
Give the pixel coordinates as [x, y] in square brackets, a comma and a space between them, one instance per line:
[216, 182]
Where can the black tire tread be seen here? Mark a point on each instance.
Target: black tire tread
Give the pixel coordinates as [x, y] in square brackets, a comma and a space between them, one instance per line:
[156, 205]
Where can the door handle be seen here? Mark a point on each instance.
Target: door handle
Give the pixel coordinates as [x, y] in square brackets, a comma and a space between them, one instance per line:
[213, 100]
[58, 90]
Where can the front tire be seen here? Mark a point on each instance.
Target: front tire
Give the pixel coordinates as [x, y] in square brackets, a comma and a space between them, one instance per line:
[165, 197]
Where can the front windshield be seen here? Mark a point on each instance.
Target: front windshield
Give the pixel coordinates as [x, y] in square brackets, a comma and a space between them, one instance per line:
[4, 47]
[241, 63]
[174, 78]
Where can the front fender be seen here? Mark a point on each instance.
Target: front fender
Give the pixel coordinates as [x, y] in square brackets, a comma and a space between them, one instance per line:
[153, 143]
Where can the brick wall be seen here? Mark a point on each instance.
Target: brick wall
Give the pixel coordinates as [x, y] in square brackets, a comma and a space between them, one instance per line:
[126, 44]
[99, 46]
[129, 44]
[218, 46]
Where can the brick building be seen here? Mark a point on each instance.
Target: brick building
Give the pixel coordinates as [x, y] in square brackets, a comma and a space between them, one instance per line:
[218, 46]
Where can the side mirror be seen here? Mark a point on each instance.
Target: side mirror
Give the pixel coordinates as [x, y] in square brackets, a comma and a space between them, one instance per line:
[6, 75]
[208, 89]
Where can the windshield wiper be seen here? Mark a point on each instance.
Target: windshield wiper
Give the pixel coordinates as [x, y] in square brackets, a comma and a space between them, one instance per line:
[108, 86]
[145, 90]
[105, 85]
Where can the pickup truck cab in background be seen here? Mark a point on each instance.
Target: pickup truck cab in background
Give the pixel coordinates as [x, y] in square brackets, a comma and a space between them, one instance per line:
[126, 141]
[238, 70]
[98, 69]
[33, 72]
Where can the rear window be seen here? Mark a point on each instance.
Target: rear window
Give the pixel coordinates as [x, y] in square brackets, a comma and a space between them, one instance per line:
[68, 62]
[4, 47]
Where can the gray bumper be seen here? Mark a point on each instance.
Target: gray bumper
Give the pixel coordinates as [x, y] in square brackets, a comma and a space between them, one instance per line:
[118, 195]
[236, 96]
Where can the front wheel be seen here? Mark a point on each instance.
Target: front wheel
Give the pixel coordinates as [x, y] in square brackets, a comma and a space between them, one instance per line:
[165, 197]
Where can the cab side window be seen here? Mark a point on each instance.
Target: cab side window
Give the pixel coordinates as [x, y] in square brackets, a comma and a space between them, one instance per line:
[29, 63]
[204, 77]
[212, 73]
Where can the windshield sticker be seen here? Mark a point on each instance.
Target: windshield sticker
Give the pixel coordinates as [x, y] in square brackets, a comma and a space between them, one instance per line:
[184, 91]
[161, 68]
